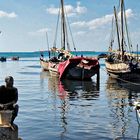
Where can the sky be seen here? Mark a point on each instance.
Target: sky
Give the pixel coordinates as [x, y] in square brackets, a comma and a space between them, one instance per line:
[24, 23]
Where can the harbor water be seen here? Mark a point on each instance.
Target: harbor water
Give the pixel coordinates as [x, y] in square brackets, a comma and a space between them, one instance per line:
[50, 109]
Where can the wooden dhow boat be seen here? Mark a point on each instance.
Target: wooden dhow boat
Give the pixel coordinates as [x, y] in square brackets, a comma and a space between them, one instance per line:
[122, 62]
[45, 62]
[57, 55]
[15, 58]
[69, 66]
[3, 59]
[66, 65]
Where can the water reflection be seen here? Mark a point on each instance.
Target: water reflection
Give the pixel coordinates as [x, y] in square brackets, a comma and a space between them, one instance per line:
[71, 88]
[138, 121]
[64, 118]
[66, 93]
[53, 87]
[79, 89]
[49, 81]
[120, 97]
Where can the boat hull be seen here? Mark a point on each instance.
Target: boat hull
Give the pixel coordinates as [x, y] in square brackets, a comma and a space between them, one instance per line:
[122, 70]
[72, 68]
[53, 68]
[3, 59]
[15, 58]
[44, 65]
[81, 73]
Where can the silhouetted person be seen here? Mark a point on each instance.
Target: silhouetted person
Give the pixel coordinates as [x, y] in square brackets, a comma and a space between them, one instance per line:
[61, 56]
[41, 56]
[9, 97]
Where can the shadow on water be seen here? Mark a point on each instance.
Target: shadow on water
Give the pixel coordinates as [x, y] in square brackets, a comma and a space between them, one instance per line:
[120, 98]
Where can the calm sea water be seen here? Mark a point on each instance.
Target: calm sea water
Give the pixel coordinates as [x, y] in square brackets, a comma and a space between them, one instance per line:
[70, 110]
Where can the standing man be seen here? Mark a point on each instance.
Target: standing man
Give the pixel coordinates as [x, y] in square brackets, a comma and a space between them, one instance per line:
[9, 97]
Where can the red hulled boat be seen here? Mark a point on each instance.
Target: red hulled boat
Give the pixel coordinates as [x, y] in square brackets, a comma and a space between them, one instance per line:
[80, 68]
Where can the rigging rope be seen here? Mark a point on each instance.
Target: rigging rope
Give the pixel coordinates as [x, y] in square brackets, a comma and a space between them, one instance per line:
[127, 46]
[111, 36]
[70, 33]
[113, 31]
[66, 31]
[54, 44]
[67, 38]
[127, 32]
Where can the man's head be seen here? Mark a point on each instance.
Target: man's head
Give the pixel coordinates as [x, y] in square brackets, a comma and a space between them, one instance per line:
[9, 81]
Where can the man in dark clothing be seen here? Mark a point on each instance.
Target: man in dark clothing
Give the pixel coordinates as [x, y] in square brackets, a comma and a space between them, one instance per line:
[9, 97]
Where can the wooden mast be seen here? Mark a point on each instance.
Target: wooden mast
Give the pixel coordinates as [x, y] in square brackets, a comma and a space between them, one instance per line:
[48, 44]
[63, 25]
[116, 18]
[122, 30]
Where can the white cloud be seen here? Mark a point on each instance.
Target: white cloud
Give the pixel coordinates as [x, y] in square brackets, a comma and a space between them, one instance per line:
[40, 31]
[8, 15]
[70, 10]
[43, 30]
[99, 22]
[129, 13]
[79, 24]
[81, 33]
[52, 10]
[80, 9]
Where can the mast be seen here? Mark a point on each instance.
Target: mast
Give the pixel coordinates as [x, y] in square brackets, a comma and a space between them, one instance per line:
[122, 30]
[116, 18]
[63, 24]
[48, 44]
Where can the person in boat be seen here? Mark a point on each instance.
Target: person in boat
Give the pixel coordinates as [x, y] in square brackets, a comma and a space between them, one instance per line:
[83, 64]
[133, 64]
[9, 97]
[61, 55]
[41, 56]
[54, 59]
[110, 58]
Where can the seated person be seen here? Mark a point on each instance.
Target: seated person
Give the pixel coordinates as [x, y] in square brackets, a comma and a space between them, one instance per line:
[61, 56]
[41, 56]
[9, 97]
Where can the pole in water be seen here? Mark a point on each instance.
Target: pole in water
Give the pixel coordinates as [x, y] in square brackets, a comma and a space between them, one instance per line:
[98, 78]
[83, 73]
[137, 53]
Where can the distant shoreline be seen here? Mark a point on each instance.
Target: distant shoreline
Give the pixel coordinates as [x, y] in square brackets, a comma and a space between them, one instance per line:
[76, 51]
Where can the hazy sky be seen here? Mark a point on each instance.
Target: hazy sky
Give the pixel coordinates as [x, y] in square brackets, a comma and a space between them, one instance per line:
[23, 23]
